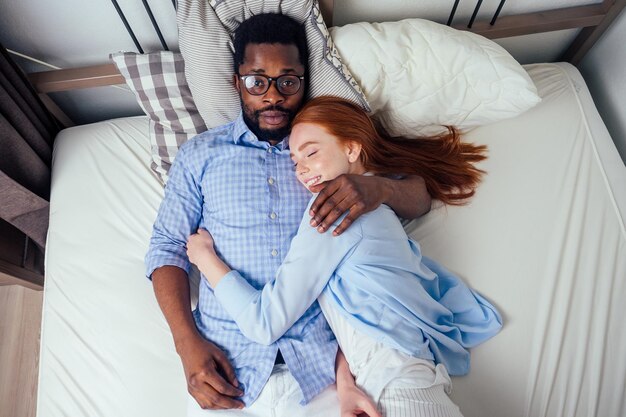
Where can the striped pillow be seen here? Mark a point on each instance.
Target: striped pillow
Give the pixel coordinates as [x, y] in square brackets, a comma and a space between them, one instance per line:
[205, 31]
[158, 81]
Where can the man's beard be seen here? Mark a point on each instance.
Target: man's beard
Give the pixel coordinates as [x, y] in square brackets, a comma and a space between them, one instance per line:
[252, 120]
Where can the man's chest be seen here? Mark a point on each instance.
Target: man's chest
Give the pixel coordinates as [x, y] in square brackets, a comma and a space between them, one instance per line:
[252, 205]
[246, 186]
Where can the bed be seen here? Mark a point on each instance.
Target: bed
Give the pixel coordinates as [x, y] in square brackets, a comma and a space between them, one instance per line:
[544, 239]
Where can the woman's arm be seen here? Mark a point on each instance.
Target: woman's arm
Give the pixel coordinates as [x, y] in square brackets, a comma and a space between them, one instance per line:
[264, 315]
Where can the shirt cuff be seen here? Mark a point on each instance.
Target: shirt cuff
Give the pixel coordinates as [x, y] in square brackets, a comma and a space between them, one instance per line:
[160, 254]
[234, 293]
[152, 265]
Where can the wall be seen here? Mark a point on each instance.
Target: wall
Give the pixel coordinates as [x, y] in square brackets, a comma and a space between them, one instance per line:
[604, 69]
[74, 33]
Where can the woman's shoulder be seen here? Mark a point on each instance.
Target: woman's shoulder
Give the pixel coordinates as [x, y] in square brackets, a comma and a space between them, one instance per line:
[382, 223]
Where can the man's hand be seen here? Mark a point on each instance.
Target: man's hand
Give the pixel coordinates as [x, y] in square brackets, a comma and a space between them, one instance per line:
[357, 193]
[408, 197]
[210, 377]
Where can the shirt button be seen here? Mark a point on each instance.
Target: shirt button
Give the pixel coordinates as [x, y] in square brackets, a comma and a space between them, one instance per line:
[274, 252]
[269, 150]
[272, 215]
[270, 180]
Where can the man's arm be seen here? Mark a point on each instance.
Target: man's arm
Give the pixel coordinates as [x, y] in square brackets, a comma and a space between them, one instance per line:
[204, 364]
[210, 377]
[360, 194]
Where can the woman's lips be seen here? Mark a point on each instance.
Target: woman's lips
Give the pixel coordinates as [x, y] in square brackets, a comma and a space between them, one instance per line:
[312, 181]
[274, 117]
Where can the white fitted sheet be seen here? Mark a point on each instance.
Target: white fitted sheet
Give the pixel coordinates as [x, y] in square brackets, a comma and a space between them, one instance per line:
[544, 240]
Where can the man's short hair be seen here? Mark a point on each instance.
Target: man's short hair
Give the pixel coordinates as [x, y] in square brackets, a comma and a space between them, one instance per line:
[270, 28]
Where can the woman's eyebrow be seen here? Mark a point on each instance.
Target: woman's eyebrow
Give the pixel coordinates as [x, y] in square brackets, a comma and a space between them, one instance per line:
[304, 145]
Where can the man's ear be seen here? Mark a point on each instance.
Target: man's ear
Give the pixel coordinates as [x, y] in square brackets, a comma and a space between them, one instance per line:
[353, 151]
[236, 82]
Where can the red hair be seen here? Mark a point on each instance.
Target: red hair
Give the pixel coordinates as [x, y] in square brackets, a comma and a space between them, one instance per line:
[446, 164]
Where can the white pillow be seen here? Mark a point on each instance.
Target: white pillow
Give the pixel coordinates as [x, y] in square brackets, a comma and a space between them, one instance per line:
[419, 75]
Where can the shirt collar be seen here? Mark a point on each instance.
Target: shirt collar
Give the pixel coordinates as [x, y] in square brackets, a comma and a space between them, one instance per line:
[242, 134]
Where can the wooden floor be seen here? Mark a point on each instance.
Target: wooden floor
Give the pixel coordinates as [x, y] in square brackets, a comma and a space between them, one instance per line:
[20, 321]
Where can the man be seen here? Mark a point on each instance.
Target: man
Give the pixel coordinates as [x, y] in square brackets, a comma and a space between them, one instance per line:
[237, 181]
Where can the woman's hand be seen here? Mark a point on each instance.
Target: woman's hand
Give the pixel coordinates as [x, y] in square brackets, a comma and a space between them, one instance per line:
[201, 252]
[200, 246]
[352, 401]
[355, 403]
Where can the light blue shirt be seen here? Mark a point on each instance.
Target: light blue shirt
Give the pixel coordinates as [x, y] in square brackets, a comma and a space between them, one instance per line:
[245, 193]
[379, 281]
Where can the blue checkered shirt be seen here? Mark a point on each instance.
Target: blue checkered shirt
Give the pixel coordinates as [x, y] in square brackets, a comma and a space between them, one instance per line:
[245, 193]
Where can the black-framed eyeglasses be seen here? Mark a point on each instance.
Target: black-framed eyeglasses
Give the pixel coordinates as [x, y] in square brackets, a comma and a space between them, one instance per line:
[258, 84]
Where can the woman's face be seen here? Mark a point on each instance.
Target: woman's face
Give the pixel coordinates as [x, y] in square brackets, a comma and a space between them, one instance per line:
[319, 156]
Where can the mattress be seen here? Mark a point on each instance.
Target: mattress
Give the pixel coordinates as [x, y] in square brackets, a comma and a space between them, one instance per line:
[544, 240]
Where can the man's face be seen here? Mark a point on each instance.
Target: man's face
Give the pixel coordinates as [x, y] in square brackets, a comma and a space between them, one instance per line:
[269, 115]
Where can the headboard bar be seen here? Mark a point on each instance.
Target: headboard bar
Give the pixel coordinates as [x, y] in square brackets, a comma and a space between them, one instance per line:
[155, 25]
[76, 78]
[127, 26]
[538, 22]
[453, 12]
[497, 13]
[593, 18]
[476, 9]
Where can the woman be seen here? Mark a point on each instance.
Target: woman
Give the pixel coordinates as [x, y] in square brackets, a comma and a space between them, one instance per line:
[402, 321]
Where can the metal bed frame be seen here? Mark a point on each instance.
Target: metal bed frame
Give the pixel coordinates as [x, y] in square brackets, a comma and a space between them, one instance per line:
[594, 19]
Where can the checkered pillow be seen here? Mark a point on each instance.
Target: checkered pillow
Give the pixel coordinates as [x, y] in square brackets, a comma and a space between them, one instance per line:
[158, 81]
[205, 30]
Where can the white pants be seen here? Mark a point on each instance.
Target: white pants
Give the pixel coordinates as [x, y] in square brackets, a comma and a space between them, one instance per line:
[417, 402]
[279, 398]
[400, 384]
